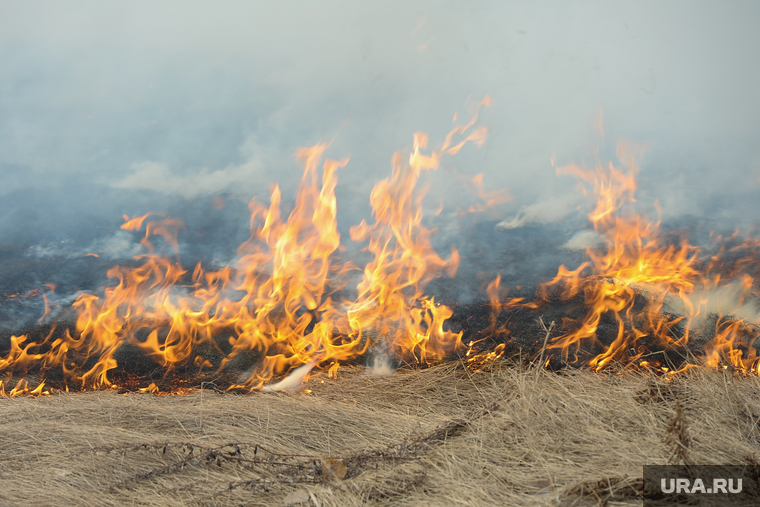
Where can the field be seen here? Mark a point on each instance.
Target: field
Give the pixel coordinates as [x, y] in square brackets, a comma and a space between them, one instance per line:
[444, 435]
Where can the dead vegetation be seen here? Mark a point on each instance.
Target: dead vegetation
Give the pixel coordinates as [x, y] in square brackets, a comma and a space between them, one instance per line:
[441, 436]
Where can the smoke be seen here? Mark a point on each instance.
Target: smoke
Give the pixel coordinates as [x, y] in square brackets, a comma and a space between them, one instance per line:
[583, 240]
[381, 365]
[543, 212]
[157, 176]
[110, 109]
[289, 383]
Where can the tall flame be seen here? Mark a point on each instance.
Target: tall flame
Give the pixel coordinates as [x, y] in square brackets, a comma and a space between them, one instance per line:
[274, 308]
[284, 303]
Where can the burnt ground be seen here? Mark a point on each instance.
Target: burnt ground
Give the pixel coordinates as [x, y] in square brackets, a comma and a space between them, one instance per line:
[523, 258]
[518, 329]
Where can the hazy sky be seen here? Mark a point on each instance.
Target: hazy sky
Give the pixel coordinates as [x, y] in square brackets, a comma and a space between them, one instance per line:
[195, 99]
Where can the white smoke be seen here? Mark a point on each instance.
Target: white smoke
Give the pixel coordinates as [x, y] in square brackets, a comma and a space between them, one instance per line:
[543, 211]
[583, 240]
[292, 381]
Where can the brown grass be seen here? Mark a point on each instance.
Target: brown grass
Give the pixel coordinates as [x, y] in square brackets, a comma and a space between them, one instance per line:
[441, 436]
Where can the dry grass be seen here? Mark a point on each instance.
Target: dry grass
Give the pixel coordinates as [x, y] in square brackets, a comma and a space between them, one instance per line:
[441, 436]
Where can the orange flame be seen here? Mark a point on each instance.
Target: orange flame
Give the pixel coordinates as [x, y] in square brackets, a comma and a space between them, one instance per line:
[637, 258]
[274, 309]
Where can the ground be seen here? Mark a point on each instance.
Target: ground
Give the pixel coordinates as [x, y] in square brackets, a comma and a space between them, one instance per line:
[444, 435]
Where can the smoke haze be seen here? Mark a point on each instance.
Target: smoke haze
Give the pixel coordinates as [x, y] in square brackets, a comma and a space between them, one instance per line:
[110, 109]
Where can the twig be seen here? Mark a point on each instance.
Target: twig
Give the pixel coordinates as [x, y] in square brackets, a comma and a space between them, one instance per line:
[546, 340]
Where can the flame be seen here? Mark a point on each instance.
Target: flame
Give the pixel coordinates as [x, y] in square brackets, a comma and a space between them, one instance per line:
[734, 346]
[287, 305]
[638, 262]
[390, 300]
[136, 223]
[276, 308]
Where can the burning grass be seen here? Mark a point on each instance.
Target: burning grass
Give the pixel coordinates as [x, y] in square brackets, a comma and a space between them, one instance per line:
[442, 435]
[681, 322]
[292, 301]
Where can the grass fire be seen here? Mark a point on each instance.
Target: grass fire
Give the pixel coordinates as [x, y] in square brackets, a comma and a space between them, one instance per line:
[649, 300]
[324, 305]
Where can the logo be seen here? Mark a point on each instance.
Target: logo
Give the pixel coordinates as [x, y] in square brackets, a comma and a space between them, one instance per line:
[704, 485]
[679, 486]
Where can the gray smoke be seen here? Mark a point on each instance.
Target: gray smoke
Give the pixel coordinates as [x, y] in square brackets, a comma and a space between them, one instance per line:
[123, 108]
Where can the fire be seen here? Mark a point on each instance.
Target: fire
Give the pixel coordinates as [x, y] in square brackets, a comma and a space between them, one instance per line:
[402, 254]
[637, 261]
[288, 304]
[277, 308]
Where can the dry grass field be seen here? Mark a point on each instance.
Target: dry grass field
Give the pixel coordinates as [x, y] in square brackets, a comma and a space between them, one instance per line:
[440, 436]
